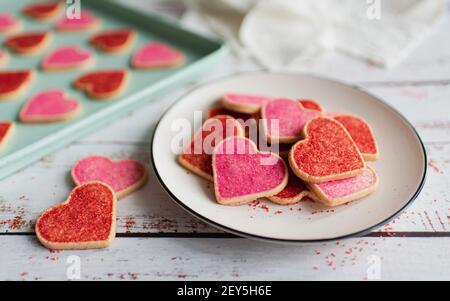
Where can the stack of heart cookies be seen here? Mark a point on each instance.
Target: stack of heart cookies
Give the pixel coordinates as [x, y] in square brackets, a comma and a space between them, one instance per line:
[299, 151]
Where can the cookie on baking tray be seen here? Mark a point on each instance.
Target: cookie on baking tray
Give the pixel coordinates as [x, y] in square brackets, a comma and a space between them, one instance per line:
[49, 106]
[113, 41]
[6, 130]
[14, 82]
[43, 11]
[157, 55]
[28, 43]
[66, 58]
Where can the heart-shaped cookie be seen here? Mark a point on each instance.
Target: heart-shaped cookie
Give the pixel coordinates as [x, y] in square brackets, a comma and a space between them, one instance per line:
[8, 24]
[6, 130]
[13, 83]
[157, 55]
[242, 173]
[283, 120]
[293, 193]
[337, 192]
[49, 106]
[310, 104]
[123, 176]
[67, 57]
[28, 43]
[219, 110]
[244, 103]
[102, 84]
[113, 40]
[196, 155]
[85, 21]
[327, 152]
[43, 11]
[86, 220]
[361, 133]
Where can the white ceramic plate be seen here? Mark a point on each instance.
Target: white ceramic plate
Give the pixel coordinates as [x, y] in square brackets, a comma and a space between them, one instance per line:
[401, 166]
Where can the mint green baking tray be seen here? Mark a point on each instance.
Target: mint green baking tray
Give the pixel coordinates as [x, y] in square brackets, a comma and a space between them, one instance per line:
[33, 141]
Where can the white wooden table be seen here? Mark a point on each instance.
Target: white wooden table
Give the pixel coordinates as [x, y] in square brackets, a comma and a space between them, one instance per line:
[157, 240]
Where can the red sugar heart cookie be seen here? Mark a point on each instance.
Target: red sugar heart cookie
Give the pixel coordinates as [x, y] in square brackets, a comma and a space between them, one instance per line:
[124, 176]
[244, 103]
[28, 43]
[6, 130]
[311, 105]
[8, 24]
[283, 120]
[49, 106]
[196, 156]
[113, 40]
[86, 220]
[157, 55]
[13, 83]
[242, 174]
[337, 192]
[43, 11]
[327, 152]
[85, 21]
[102, 84]
[67, 57]
[362, 135]
[219, 110]
[294, 192]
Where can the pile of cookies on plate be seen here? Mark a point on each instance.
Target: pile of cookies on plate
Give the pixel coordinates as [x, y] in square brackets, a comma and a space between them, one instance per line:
[87, 219]
[55, 104]
[300, 151]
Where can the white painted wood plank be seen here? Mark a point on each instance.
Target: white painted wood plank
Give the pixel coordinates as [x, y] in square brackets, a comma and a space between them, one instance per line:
[230, 259]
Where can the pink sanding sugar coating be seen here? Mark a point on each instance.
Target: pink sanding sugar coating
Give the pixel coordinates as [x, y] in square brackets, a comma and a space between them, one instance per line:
[66, 57]
[345, 187]
[156, 54]
[49, 103]
[6, 22]
[119, 175]
[85, 20]
[245, 98]
[241, 170]
[290, 115]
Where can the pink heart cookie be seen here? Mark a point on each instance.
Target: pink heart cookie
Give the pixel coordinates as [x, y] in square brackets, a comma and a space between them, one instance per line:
[86, 21]
[8, 24]
[284, 119]
[337, 192]
[157, 55]
[6, 130]
[244, 103]
[67, 57]
[123, 176]
[49, 106]
[242, 173]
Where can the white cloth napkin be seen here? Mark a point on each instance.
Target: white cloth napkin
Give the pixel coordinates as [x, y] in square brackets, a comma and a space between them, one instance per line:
[293, 34]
